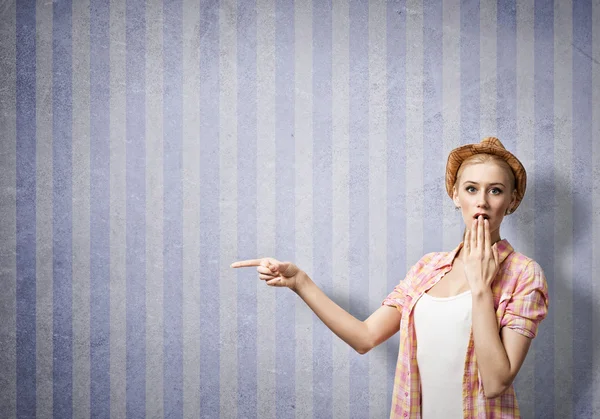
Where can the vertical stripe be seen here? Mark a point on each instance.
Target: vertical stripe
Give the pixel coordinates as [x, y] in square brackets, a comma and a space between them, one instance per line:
[248, 194]
[266, 163]
[209, 209]
[562, 301]
[135, 187]
[154, 182]
[173, 208]
[487, 67]
[62, 208]
[100, 215]
[44, 201]
[341, 222]
[451, 113]
[596, 204]
[341, 198]
[26, 209]
[285, 239]
[191, 210]
[228, 173]
[377, 199]
[191, 213]
[434, 192]
[544, 196]
[396, 166]
[8, 158]
[358, 159]
[413, 175]
[100, 211]
[520, 224]
[118, 211]
[81, 209]
[469, 73]
[511, 22]
[322, 195]
[304, 200]
[582, 208]
[506, 82]
[509, 26]
[525, 113]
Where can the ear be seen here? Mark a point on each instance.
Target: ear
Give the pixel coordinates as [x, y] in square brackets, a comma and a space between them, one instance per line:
[513, 201]
[455, 196]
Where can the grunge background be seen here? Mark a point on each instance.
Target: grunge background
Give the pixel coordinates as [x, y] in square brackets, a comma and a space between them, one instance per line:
[146, 145]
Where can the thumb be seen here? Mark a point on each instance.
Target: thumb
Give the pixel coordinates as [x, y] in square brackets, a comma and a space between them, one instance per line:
[287, 269]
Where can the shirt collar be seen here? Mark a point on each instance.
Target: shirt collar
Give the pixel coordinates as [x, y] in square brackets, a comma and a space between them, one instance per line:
[504, 249]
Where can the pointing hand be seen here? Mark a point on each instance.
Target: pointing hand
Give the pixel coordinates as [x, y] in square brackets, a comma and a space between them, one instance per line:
[275, 273]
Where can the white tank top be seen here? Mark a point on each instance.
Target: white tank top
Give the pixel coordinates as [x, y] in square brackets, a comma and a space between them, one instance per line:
[442, 327]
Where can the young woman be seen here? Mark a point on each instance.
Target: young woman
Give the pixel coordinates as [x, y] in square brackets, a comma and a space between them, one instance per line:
[466, 317]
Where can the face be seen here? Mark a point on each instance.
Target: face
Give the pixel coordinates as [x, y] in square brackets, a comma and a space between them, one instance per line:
[484, 188]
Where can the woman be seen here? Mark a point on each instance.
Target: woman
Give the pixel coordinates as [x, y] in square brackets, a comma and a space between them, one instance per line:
[473, 311]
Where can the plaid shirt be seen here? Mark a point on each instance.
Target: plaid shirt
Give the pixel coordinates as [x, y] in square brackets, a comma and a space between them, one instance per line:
[521, 302]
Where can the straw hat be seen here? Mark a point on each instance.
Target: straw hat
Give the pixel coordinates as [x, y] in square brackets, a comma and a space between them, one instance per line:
[489, 145]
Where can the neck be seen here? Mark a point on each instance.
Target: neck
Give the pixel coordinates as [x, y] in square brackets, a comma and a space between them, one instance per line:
[495, 236]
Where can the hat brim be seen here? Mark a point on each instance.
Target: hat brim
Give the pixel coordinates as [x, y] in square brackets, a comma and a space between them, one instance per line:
[460, 154]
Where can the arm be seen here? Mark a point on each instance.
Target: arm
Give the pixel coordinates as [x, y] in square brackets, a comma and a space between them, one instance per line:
[362, 336]
[499, 355]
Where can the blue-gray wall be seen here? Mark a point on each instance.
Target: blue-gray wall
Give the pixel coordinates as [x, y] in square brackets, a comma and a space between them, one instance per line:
[144, 146]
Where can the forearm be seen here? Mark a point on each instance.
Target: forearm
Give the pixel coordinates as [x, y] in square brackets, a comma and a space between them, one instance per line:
[492, 360]
[347, 327]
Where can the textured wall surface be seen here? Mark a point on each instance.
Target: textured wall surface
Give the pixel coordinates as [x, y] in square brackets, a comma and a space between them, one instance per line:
[146, 145]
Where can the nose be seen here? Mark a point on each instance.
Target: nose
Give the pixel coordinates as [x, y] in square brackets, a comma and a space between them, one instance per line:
[482, 200]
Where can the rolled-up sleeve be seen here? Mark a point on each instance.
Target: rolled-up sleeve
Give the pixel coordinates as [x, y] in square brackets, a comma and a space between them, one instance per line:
[528, 305]
[397, 297]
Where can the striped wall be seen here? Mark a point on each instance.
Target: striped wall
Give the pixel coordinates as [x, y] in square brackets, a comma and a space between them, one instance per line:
[144, 146]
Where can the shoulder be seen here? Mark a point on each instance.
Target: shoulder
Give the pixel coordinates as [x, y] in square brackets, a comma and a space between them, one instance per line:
[523, 273]
[516, 263]
[432, 260]
[427, 265]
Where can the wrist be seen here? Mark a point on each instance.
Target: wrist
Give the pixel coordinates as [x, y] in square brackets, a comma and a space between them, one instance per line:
[302, 281]
[481, 292]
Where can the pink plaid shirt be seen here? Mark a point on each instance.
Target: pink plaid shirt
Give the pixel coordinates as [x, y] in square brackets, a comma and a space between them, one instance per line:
[521, 302]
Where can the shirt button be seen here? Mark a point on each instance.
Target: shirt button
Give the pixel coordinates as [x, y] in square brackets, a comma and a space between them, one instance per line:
[405, 414]
[406, 394]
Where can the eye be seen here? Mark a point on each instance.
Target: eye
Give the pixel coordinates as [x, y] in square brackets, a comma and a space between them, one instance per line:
[496, 191]
[470, 188]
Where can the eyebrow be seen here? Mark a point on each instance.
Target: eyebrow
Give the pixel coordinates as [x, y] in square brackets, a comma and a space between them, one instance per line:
[475, 183]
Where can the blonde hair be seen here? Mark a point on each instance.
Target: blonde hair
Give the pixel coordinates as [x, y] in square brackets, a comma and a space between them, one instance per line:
[484, 158]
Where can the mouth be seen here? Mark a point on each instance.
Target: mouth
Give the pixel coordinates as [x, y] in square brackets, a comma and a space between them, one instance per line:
[485, 216]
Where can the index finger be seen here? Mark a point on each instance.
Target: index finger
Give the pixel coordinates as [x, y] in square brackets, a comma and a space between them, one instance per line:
[246, 263]
[480, 233]
[488, 239]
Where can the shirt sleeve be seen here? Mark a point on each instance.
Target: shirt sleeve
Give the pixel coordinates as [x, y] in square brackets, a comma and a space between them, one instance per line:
[528, 305]
[398, 295]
